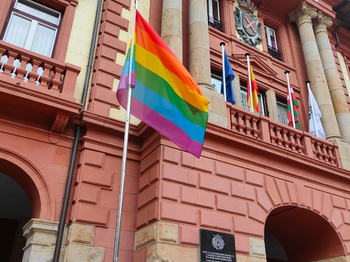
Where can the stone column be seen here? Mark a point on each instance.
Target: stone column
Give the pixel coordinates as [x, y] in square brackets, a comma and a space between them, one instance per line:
[303, 16]
[171, 31]
[200, 61]
[199, 43]
[332, 75]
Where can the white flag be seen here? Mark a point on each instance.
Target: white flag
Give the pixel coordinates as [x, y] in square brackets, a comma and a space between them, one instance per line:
[315, 117]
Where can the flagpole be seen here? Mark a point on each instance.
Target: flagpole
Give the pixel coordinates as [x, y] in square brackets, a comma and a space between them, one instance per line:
[312, 107]
[223, 69]
[250, 84]
[125, 148]
[290, 97]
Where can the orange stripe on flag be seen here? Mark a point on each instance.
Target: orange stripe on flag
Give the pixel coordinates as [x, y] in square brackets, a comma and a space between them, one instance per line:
[255, 90]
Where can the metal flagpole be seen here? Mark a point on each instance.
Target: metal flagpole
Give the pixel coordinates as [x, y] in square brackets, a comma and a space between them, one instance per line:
[223, 69]
[290, 97]
[125, 148]
[312, 107]
[250, 84]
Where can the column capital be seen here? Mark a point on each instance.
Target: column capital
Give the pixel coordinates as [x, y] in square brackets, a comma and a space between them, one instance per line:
[303, 14]
[322, 22]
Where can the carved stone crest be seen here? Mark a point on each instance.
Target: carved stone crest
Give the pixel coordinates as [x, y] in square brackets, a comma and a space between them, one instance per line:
[248, 27]
[217, 242]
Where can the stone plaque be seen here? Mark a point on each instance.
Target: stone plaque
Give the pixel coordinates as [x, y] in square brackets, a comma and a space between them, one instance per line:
[217, 247]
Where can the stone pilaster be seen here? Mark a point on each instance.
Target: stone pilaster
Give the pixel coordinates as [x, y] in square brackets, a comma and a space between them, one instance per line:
[80, 244]
[162, 241]
[302, 16]
[272, 105]
[321, 23]
[41, 239]
[200, 61]
[171, 31]
[236, 85]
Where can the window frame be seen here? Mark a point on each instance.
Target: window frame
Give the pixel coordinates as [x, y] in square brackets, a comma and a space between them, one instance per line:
[280, 102]
[211, 10]
[35, 23]
[268, 38]
[261, 97]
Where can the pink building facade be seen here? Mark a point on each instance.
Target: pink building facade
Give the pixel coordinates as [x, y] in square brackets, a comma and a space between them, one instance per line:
[283, 193]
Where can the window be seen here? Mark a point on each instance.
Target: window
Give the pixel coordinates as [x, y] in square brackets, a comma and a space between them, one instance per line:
[214, 14]
[272, 43]
[245, 104]
[282, 112]
[33, 26]
[216, 82]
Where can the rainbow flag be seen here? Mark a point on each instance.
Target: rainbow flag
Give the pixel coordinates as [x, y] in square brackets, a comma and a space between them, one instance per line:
[165, 96]
[255, 91]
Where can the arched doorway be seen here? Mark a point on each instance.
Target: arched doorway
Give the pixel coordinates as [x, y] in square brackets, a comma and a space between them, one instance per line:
[20, 201]
[15, 212]
[297, 234]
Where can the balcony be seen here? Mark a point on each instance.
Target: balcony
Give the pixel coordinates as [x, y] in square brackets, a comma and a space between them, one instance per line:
[274, 53]
[36, 84]
[283, 137]
[214, 23]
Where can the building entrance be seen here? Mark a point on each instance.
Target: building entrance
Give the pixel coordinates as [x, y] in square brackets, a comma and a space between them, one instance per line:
[15, 212]
[296, 234]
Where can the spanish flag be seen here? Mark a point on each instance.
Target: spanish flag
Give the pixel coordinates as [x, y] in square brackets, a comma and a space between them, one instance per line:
[255, 92]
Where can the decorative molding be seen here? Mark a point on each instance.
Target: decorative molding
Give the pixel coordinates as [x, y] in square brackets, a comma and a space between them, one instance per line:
[60, 123]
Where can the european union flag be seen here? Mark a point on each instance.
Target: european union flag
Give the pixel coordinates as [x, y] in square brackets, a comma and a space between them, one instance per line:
[229, 76]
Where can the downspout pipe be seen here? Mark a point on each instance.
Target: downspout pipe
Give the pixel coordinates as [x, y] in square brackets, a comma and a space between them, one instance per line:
[345, 3]
[61, 224]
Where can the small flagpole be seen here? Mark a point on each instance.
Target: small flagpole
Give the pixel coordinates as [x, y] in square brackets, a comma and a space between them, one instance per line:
[125, 148]
[250, 84]
[312, 107]
[223, 69]
[290, 97]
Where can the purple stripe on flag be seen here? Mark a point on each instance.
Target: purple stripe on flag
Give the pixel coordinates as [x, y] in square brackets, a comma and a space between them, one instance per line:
[160, 124]
[124, 81]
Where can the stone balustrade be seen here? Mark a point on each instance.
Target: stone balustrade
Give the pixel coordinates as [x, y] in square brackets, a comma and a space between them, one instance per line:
[35, 71]
[282, 136]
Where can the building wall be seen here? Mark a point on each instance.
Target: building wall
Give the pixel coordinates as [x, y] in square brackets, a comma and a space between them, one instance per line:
[246, 170]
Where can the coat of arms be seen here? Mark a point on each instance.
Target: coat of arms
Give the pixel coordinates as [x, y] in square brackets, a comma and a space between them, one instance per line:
[217, 242]
[248, 26]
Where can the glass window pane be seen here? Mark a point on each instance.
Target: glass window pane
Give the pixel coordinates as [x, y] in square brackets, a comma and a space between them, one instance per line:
[216, 83]
[216, 11]
[282, 113]
[245, 102]
[38, 11]
[43, 40]
[17, 30]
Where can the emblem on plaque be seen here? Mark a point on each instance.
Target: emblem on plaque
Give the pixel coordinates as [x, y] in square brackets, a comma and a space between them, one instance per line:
[247, 24]
[217, 242]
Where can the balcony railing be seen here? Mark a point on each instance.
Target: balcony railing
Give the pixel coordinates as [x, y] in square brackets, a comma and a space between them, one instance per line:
[274, 53]
[212, 22]
[35, 71]
[282, 136]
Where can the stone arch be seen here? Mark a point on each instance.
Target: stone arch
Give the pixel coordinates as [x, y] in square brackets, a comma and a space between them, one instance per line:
[303, 234]
[31, 180]
[325, 205]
